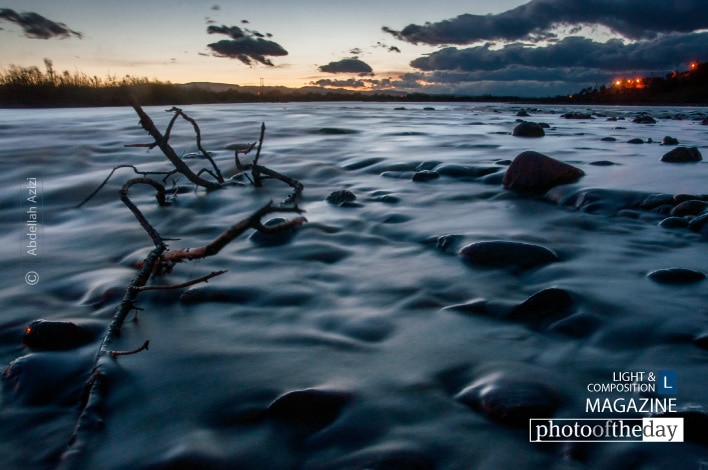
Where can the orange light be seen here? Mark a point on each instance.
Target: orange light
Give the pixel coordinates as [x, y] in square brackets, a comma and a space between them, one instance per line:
[618, 83]
[694, 65]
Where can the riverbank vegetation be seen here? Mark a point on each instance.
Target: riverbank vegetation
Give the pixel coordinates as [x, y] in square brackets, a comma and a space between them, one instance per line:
[22, 87]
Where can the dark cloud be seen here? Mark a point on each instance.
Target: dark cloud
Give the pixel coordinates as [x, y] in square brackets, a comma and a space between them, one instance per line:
[633, 19]
[36, 26]
[354, 83]
[350, 65]
[386, 46]
[216, 8]
[245, 45]
[666, 52]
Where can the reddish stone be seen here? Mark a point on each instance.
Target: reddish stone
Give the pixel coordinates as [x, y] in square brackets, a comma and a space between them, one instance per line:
[536, 173]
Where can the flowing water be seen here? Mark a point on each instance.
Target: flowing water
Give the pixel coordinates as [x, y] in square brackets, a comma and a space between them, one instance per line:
[356, 303]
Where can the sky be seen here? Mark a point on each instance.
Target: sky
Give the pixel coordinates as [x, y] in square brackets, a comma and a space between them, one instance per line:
[497, 47]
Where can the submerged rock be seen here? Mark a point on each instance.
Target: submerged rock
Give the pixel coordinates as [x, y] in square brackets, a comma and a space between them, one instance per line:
[576, 115]
[701, 341]
[691, 207]
[510, 402]
[644, 119]
[280, 237]
[508, 253]
[528, 129]
[668, 140]
[313, 408]
[425, 175]
[46, 335]
[676, 276]
[682, 155]
[635, 141]
[534, 172]
[341, 197]
[546, 304]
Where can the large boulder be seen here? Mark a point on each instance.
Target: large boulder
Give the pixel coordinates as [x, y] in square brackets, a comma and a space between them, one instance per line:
[533, 172]
[528, 129]
[682, 155]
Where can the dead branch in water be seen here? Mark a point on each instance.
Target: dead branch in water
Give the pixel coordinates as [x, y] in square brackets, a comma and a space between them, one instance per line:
[161, 259]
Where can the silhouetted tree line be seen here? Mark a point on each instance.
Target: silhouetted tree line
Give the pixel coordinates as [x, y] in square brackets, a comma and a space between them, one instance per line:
[689, 87]
[32, 87]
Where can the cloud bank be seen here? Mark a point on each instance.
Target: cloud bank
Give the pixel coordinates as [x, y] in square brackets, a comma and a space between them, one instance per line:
[523, 48]
[632, 19]
[36, 26]
[245, 45]
[350, 65]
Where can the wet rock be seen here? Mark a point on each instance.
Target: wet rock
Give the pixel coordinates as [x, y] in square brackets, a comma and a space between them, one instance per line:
[522, 113]
[705, 121]
[656, 200]
[635, 141]
[603, 163]
[547, 304]
[644, 119]
[682, 155]
[692, 207]
[465, 171]
[312, 408]
[676, 276]
[674, 222]
[528, 129]
[508, 253]
[43, 335]
[384, 459]
[280, 237]
[428, 108]
[341, 197]
[668, 140]
[576, 115]
[699, 224]
[533, 172]
[579, 325]
[701, 341]
[608, 139]
[425, 175]
[47, 378]
[336, 131]
[510, 402]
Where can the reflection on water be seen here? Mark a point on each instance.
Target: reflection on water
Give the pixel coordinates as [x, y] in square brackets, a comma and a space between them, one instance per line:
[358, 303]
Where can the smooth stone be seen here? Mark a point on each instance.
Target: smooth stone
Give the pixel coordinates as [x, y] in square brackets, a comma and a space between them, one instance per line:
[534, 172]
[635, 141]
[576, 115]
[608, 139]
[522, 113]
[644, 119]
[510, 402]
[44, 335]
[693, 207]
[465, 171]
[676, 276]
[579, 325]
[340, 197]
[701, 341]
[682, 155]
[508, 253]
[603, 163]
[674, 222]
[699, 224]
[425, 175]
[312, 408]
[336, 131]
[528, 129]
[47, 378]
[668, 140]
[546, 304]
[656, 200]
[280, 237]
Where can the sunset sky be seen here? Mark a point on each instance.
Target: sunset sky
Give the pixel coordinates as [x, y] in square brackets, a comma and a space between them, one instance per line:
[517, 47]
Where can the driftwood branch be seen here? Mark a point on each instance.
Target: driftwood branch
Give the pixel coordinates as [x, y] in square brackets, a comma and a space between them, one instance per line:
[162, 142]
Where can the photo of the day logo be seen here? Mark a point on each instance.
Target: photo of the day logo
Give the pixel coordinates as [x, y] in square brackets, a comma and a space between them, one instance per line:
[666, 382]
